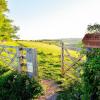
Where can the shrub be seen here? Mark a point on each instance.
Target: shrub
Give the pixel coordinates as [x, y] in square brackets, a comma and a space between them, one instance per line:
[91, 75]
[73, 92]
[15, 86]
[3, 69]
[89, 88]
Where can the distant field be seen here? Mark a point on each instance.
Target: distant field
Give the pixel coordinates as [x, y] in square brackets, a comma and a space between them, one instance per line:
[49, 58]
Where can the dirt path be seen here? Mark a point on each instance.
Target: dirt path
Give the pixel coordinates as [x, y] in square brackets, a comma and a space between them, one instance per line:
[50, 89]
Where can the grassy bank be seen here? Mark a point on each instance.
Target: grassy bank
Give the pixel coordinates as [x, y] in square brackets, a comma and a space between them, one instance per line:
[49, 59]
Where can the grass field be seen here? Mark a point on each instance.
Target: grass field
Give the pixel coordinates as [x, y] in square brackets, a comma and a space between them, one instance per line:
[49, 59]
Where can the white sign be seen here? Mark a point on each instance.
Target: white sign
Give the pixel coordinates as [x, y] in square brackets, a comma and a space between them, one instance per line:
[29, 67]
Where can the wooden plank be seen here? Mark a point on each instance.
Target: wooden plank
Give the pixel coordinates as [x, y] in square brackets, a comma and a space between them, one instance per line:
[1, 51]
[68, 54]
[71, 77]
[35, 66]
[31, 62]
[72, 47]
[67, 64]
[18, 58]
[72, 65]
[12, 60]
[4, 46]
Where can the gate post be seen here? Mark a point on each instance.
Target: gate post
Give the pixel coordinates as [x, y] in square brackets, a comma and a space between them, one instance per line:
[18, 57]
[31, 57]
[62, 58]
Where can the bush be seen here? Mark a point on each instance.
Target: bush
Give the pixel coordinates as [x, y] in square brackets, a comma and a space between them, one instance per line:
[3, 70]
[73, 92]
[89, 88]
[15, 86]
[91, 75]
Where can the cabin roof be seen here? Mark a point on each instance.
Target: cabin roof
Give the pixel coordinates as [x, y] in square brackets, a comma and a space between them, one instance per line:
[91, 40]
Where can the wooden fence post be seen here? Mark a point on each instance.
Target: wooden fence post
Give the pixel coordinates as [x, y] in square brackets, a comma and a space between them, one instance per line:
[31, 62]
[18, 57]
[35, 66]
[62, 58]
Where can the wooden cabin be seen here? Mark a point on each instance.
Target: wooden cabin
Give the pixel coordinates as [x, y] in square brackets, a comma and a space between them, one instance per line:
[92, 40]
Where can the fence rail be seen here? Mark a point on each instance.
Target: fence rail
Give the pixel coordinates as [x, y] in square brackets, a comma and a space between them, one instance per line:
[19, 58]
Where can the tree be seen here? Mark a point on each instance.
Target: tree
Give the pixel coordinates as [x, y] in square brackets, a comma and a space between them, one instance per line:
[91, 70]
[3, 6]
[93, 28]
[7, 29]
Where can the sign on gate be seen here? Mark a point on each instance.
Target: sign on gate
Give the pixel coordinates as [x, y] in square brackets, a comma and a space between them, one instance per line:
[30, 67]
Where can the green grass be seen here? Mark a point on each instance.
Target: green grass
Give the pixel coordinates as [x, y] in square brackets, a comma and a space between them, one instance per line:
[49, 59]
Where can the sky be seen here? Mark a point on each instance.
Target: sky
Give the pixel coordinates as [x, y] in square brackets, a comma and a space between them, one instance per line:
[53, 19]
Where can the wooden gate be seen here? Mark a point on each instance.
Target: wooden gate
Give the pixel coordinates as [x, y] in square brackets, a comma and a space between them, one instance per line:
[19, 58]
[70, 60]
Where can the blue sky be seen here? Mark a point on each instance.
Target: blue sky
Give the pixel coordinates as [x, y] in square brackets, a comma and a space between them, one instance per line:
[50, 19]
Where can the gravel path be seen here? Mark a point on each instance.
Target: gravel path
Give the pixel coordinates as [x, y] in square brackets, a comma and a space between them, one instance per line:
[50, 89]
